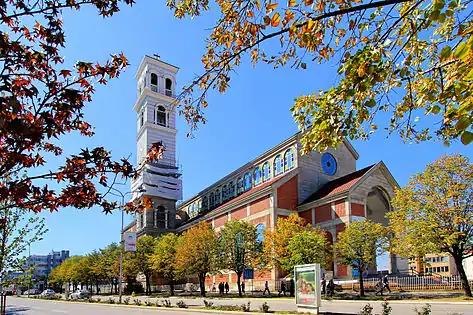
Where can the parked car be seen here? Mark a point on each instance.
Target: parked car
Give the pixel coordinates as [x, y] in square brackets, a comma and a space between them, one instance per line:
[31, 292]
[48, 292]
[79, 294]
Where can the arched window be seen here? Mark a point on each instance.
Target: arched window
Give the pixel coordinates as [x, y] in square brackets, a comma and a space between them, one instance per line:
[205, 203]
[217, 197]
[266, 171]
[142, 118]
[199, 206]
[257, 176]
[240, 188]
[224, 193]
[231, 190]
[168, 84]
[160, 115]
[211, 200]
[260, 228]
[278, 165]
[289, 159]
[154, 82]
[247, 182]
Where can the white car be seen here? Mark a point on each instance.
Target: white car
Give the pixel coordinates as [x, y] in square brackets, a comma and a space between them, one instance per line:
[48, 292]
[79, 294]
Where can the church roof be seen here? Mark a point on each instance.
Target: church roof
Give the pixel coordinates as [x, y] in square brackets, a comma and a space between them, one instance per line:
[338, 185]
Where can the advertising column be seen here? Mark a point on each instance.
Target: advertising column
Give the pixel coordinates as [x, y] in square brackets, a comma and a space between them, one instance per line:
[308, 281]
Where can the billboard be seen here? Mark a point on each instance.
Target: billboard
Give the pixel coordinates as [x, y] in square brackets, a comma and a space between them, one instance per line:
[308, 282]
[130, 242]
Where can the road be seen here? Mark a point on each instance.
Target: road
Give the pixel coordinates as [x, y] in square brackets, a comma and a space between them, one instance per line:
[20, 306]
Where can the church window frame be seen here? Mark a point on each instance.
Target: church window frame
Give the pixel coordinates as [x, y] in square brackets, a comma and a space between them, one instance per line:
[266, 170]
[257, 176]
[247, 181]
[231, 190]
[260, 229]
[278, 165]
[240, 187]
[289, 159]
[168, 87]
[217, 197]
[160, 116]
[205, 203]
[225, 193]
[211, 200]
[154, 82]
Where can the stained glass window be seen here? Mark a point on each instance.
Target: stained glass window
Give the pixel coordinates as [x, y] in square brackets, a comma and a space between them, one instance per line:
[240, 188]
[224, 193]
[260, 228]
[278, 165]
[266, 171]
[289, 159]
[247, 181]
[257, 175]
[232, 190]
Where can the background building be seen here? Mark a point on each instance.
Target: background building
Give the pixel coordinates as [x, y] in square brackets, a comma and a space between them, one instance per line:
[43, 264]
[326, 189]
[433, 264]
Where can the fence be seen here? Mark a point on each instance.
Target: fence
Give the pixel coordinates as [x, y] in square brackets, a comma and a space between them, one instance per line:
[410, 283]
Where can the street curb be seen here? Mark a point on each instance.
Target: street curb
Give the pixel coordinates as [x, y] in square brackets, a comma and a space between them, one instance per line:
[400, 302]
[150, 308]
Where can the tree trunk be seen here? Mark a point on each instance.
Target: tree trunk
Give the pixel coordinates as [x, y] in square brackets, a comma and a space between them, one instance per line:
[360, 277]
[96, 287]
[147, 284]
[202, 284]
[239, 284]
[461, 271]
[171, 287]
[111, 287]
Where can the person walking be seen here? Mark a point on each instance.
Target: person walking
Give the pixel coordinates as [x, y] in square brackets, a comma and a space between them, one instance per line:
[330, 288]
[227, 288]
[386, 283]
[324, 284]
[379, 287]
[266, 288]
[283, 288]
[243, 287]
[220, 288]
[214, 288]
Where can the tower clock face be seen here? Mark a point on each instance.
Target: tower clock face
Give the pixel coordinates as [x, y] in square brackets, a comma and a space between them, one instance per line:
[329, 164]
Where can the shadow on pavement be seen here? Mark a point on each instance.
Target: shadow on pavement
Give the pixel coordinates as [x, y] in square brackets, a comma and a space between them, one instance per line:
[17, 310]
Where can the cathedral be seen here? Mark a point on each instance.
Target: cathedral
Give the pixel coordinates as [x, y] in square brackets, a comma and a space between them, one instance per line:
[327, 189]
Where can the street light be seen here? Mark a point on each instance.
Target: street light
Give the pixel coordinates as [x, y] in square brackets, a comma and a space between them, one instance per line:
[122, 206]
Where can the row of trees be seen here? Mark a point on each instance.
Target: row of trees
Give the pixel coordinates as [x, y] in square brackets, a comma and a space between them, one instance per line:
[433, 215]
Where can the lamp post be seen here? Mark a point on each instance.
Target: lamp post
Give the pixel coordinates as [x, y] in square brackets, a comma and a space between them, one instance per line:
[122, 206]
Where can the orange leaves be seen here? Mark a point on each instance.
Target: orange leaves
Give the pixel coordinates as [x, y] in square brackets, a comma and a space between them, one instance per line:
[65, 73]
[276, 19]
[308, 2]
[291, 3]
[270, 7]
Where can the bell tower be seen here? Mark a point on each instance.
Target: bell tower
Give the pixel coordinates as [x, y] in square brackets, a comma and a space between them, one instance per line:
[156, 121]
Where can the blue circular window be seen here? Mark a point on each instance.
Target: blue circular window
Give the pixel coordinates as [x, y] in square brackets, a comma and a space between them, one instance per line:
[329, 164]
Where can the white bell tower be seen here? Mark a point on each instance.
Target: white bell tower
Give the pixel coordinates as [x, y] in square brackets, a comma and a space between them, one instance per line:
[156, 121]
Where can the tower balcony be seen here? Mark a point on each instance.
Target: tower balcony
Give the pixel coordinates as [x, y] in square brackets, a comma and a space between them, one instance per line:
[161, 90]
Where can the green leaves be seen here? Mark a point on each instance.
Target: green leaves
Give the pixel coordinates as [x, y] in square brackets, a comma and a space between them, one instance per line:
[461, 51]
[467, 137]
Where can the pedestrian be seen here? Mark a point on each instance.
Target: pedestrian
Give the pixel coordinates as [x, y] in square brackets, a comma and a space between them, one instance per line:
[379, 287]
[283, 288]
[227, 288]
[266, 288]
[324, 284]
[386, 283]
[330, 288]
[214, 288]
[243, 287]
[220, 288]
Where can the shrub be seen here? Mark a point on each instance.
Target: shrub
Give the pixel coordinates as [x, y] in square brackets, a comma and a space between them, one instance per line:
[386, 308]
[110, 301]
[264, 308]
[426, 310]
[181, 304]
[366, 310]
[148, 303]
[157, 303]
[246, 307]
[98, 300]
[166, 303]
[208, 304]
[137, 302]
[126, 300]
[91, 300]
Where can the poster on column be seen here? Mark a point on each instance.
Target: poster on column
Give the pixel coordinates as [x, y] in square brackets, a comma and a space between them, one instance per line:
[308, 282]
[130, 242]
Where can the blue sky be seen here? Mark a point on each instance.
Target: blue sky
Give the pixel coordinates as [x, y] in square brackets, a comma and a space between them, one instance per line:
[250, 118]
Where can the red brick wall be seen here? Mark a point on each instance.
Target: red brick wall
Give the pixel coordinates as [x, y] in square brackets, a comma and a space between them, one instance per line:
[307, 215]
[340, 227]
[220, 221]
[288, 196]
[323, 213]
[340, 209]
[240, 213]
[342, 270]
[221, 278]
[357, 209]
[262, 275]
[264, 219]
[259, 205]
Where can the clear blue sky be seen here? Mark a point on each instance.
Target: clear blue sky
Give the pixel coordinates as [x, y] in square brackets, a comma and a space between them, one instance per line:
[250, 118]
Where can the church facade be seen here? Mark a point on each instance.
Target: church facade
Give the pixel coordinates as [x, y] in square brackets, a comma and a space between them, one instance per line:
[327, 189]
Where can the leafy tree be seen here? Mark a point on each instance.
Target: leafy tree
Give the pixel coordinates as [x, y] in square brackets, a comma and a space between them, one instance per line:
[163, 258]
[402, 58]
[238, 248]
[141, 258]
[41, 101]
[97, 274]
[308, 247]
[110, 264]
[435, 213]
[359, 245]
[18, 230]
[196, 254]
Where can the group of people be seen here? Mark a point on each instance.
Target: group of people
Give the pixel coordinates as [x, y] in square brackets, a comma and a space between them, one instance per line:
[328, 289]
[224, 288]
[382, 284]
